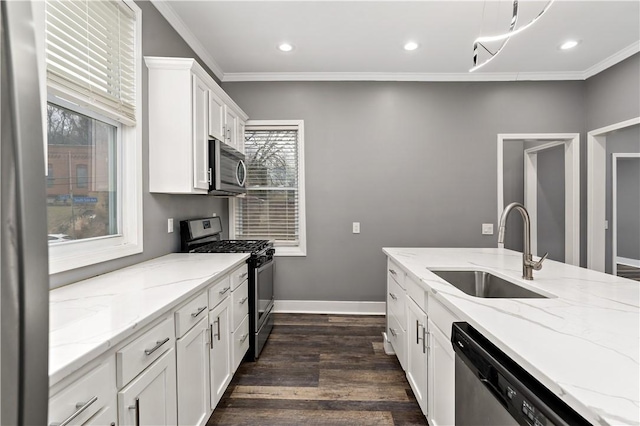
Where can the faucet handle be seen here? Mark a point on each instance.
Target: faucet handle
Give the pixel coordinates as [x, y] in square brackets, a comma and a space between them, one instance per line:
[538, 265]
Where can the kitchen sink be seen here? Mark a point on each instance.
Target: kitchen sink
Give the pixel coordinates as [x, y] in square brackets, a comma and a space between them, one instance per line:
[484, 284]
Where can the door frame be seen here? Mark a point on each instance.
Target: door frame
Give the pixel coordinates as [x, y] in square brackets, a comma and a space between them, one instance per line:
[614, 209]
[571, 142]
[531, 192]
[596, 192]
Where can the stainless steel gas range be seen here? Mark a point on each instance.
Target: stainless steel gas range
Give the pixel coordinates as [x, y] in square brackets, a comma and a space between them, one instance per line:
[203, 236]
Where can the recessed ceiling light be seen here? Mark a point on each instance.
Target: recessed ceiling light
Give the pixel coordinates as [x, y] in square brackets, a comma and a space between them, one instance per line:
[412, 45]
[285, 47]
[568, 44]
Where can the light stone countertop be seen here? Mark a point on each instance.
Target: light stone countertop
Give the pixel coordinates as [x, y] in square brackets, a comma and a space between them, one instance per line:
[89, 317]
[583, 344]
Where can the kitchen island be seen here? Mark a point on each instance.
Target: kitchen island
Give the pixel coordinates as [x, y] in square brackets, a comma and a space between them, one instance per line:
[581, 342]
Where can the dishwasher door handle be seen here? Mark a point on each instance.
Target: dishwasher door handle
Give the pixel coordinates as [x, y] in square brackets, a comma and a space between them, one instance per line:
[494, 391]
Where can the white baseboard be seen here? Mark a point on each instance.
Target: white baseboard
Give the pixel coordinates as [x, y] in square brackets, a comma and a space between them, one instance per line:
[328, 307]
[628, 262]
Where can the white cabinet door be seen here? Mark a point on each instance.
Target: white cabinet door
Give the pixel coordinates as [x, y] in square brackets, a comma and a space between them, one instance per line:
[240, 136]
[441, 378]
[200, 134]
[150, 398]
[217, 113]
[231, 128]
[417, 352]
[192, 353]
[220, 350]
[106, 416]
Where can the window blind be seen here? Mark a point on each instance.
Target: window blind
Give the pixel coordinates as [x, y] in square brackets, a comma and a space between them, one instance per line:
[91, 54]
[270, 209]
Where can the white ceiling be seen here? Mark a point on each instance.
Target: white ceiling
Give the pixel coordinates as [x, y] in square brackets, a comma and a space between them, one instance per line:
[362, 40]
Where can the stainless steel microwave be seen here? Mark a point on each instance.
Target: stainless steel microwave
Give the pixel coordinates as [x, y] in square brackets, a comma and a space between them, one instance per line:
[227, 170]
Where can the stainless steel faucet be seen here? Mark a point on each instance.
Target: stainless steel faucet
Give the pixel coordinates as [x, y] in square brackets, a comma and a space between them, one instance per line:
[528, 265]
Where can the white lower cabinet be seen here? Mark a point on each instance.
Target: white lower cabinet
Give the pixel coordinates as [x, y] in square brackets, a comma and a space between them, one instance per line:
[240, 345]
[82, 400]
[192, 355]
[107, 416]
[150, 398]
[219, 350]
[417, 353]
[441, 378]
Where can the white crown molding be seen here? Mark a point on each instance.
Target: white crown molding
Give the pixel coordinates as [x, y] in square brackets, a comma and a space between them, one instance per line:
[423, 77]
[329, 307]
[181, 28]
[612, 60]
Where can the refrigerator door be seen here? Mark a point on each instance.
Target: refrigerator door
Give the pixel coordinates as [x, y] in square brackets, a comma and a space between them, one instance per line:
[24, 289]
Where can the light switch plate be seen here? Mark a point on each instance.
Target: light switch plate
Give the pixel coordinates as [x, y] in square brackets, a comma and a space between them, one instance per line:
[356, 227]
[169, 225]
[487, 229]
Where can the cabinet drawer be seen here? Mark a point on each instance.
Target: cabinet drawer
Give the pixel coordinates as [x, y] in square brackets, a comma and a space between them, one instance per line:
[240, 344]
[88, 395]
[396, 273]
[417, 293]
[139, 354]
[239, 304]
[397, 337]
[239, 276]
[441, 316]
[219, 291]
[189, 315]
[396, 302]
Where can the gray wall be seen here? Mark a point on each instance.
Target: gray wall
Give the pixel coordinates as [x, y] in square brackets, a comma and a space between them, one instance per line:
[629, 208]
[551, 210]
[622, 141]
[415, 163]
[158, 39]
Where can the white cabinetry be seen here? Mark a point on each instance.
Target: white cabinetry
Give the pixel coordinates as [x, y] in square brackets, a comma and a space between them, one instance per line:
[417, 354]
[186, 108]
[219, 350]
[150, 399]
[441, 365]
[396, 312]
[423, 346]
[441, 378]
[91, 396]
[192, 361]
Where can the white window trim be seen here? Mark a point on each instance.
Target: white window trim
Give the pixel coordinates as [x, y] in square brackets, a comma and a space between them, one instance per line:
[81, 253]
[301, 248]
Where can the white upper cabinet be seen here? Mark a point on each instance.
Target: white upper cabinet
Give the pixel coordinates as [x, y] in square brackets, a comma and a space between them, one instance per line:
[217, 116]
[186, 109]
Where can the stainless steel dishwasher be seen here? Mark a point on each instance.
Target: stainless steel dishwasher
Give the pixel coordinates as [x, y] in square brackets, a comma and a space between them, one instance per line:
[492, 390]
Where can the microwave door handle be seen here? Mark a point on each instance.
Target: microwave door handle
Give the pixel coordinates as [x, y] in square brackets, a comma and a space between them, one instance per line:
[244, 173]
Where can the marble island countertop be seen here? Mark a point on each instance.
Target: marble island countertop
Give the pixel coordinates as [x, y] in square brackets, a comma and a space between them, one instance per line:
[89, 317]
[583, 342]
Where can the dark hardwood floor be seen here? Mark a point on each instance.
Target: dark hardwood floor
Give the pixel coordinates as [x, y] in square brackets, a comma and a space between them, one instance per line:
[321, 370]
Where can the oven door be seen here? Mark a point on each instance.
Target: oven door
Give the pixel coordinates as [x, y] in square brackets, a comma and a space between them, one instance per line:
[264, 292]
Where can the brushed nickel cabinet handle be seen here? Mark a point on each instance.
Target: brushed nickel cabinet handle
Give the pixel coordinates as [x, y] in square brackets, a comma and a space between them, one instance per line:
[224, 290]
[393, 296]
[198, 312]
[393, 332]
[211, 336]
[80, 408]
[218, 322]
[244, 337]
[137, 408]
[243, 275]
[425, 340]
[393, 272]
[244, 299]
[156, 347]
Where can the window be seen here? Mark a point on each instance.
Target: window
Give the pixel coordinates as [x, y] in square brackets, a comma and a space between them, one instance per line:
[274, 207]
[93, 75]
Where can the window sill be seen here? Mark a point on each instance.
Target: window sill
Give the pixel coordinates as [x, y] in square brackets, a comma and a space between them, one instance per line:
[82, 255]
[290, 252]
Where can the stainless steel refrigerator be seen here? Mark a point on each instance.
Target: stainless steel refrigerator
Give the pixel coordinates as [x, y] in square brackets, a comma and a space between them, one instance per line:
[24, 290]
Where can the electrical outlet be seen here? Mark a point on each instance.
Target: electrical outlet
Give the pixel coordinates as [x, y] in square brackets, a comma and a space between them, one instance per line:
[356, 227]
[169, 225]
[487, 229]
